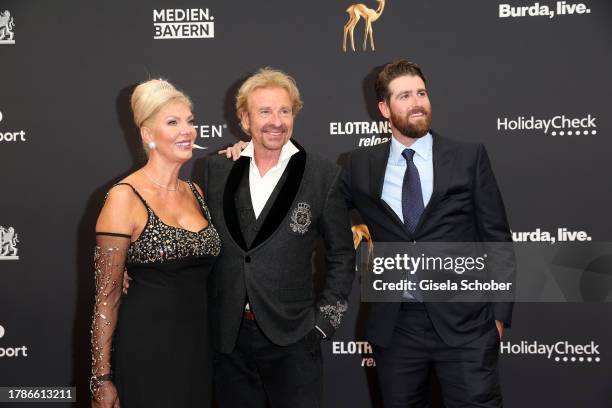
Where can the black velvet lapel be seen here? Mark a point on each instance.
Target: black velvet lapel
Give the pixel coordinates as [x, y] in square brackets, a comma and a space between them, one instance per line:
[229, 207]
[284, 199]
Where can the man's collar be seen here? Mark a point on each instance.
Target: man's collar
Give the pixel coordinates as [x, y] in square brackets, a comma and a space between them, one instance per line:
[288, 150]
[248, 150]
[421, 146]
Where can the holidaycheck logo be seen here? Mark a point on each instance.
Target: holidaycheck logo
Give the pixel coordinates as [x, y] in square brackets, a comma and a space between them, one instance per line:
[560, 125]
[561, 351]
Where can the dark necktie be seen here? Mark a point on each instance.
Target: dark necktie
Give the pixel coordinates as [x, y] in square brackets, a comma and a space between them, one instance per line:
[412, 196]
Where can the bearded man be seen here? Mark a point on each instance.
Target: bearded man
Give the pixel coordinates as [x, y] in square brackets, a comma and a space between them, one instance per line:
[427, 188]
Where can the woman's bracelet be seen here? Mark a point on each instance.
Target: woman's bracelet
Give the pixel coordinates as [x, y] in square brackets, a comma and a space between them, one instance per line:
[96, 381]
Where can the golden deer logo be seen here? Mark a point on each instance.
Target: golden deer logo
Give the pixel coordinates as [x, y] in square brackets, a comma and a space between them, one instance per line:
[355, 12]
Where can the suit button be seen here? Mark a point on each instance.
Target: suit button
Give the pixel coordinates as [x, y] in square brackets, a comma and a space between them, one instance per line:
[247, 259]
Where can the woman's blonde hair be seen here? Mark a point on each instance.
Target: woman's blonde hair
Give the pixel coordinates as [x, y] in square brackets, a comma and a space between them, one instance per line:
[264, 78]
[151, 96]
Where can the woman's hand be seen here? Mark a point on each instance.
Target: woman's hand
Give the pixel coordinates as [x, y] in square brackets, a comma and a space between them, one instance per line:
[106, 396]
[126, 282]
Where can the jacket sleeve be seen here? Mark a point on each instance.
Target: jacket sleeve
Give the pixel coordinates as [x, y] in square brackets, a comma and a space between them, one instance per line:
[345, 183]
[493, 227]
[339, 260]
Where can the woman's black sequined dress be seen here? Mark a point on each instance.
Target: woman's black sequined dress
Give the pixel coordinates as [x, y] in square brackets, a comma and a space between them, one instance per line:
[161, 350]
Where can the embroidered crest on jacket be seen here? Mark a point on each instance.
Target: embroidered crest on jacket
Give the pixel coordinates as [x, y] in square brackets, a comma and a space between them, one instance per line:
[301, 218]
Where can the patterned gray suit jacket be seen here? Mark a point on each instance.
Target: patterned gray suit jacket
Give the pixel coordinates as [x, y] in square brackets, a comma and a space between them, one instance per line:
[273, 267]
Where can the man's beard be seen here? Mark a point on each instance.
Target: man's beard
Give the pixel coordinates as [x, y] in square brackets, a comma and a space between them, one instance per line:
[412, 130]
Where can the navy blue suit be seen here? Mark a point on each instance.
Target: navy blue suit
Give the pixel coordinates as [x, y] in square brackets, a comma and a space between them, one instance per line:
[466, 206]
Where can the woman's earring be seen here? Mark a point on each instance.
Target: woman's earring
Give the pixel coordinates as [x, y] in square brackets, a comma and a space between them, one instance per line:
[151, 145]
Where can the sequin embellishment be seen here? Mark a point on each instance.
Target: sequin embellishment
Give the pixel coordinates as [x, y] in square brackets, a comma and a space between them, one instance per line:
[160, 242]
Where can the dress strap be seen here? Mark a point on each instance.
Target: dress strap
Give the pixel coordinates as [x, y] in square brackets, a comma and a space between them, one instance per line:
[194, 190]
[135, 192]
[113, 234]
[200, 199]
[196, 193]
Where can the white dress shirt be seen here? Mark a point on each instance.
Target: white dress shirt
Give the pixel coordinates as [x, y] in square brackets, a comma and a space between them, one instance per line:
[396, 168]
[262, 187]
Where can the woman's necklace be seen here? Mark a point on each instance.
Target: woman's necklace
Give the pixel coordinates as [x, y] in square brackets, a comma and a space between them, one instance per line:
[157, 183]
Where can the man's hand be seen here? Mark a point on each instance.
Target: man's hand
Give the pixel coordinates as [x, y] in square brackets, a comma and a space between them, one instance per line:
[315, 337]
[126, 282]
[233, 152]
[500, 328]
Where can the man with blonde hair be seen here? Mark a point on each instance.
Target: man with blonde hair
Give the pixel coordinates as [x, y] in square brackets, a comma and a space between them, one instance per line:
[270, 207]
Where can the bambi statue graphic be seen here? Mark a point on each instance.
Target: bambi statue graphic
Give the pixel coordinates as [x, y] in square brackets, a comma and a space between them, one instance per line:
[355, 12]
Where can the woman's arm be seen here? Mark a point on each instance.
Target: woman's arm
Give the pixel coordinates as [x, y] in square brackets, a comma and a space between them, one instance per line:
[113, 236]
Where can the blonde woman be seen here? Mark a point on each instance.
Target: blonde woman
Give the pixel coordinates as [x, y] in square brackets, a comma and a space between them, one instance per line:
[151, 347]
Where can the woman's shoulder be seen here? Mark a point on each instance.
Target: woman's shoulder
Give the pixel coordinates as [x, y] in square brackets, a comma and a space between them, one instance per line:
[130, 187]
[120, 195]
[119, 204]
[123, 192]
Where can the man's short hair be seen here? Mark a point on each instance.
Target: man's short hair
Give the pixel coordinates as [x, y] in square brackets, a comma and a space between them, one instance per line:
[265, 78]
[390, 72]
